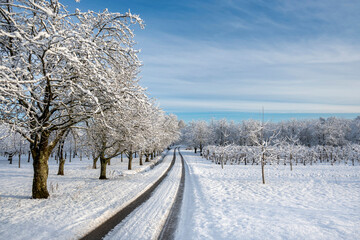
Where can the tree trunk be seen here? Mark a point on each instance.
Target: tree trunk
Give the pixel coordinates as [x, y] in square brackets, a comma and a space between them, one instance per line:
[140, 158]
[130, 156]
[10, 158]
[147, 157]
[201, 149]
[290, 162]
[103, 164]
[195, 149]
[61, 158]
[122, 157]
[61, 166]
[262, 168]
[41, 171]
[29, 156]
[94, 162]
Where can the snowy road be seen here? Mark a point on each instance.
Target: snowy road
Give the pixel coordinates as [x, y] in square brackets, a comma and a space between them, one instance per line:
[311, 202]
[146, 221]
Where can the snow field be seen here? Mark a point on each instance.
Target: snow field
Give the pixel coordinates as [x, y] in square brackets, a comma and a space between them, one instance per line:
[146, 221]
[78, 201]
[311, 202]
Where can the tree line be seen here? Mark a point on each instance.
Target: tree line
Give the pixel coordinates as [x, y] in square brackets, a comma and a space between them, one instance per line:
[73, 76]
[330, 140]
[324, 132]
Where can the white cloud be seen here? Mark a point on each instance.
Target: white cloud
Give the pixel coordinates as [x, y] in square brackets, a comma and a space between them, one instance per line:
[253, 106]
[312, 72]
[316, 72]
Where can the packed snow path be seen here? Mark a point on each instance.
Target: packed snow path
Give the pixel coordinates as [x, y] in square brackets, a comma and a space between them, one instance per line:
[115, 220]
[148, 220]
[170, 226]
[310, 202]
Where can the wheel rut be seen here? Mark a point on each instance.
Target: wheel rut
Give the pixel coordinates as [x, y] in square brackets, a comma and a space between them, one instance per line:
[103, 229]
[170, 226]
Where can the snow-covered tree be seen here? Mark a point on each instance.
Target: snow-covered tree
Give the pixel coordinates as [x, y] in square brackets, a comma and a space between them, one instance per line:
[198, 134]
[59, 69]
[353, 134]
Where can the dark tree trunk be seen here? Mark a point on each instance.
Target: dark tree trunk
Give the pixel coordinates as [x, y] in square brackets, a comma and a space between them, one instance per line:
[195, 149]
[147, 157]
[152, 155]
[61, 166]
[103, 164]
[29, 156]
[19, 159]
[130, 156]
[122, 157]
[201, 149]
[140, 158]
[41, 171]
[10, 158]
[94, 162]
[61, 158]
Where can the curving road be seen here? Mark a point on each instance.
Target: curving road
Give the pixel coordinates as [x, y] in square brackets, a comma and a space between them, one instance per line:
[162, 201]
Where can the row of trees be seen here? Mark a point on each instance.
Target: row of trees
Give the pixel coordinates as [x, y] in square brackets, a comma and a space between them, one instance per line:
[283, 154]
[68, 74]
[256, 142]
[325, 132]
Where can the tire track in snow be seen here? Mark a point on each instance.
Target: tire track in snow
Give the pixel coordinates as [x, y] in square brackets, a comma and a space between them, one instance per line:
[170, 226]
[147, 221]
[108, 225]
[194, 205]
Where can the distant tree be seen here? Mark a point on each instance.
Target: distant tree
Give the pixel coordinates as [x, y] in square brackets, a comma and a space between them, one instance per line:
[198, 134]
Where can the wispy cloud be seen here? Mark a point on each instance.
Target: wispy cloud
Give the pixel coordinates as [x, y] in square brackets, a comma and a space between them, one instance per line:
[238, 55]
[318, 72]
[176, 105]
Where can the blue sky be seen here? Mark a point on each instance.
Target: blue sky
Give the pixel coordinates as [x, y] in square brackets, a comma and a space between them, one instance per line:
[240, 56]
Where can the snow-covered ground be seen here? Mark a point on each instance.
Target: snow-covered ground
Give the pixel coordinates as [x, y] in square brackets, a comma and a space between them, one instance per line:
[311, 202]
[79, 200]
